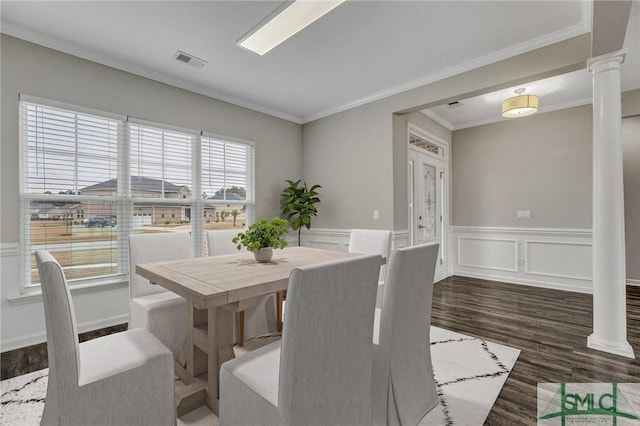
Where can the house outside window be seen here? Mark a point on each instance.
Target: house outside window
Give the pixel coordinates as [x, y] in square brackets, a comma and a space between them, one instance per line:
[89, 179]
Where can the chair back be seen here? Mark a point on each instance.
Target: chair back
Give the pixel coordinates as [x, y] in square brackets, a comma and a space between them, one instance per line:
[325, 363]
[219, 242]
[404, 333]
[62, 335]
[371, 241]
[146, 248]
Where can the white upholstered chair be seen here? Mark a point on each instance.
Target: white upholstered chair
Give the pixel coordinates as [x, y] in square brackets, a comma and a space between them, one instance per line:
[320, 372]
[121, 379]
[404, 389]
[372, 241]
[153, 307]
[254, 317]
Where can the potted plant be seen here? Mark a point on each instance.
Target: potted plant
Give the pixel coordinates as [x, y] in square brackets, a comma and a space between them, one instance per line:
[299, 204]
[262, 237]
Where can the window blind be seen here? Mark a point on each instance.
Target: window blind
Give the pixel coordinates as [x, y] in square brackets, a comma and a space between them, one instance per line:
[68, 158]
[88, 181]
[160, 162]
[227, 170]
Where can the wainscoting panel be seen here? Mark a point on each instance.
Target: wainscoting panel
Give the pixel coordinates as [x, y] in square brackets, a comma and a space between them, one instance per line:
[552, 258]
[488, 253]
[558, 259]
[338, 239]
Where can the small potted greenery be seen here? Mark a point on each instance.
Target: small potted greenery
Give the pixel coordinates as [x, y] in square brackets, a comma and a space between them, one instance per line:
[262, 237]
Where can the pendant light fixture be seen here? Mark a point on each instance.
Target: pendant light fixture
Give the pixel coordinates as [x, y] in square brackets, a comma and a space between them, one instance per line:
[520, 105]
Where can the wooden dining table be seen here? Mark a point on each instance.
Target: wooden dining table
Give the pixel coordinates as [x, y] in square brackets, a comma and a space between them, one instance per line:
[215, 287]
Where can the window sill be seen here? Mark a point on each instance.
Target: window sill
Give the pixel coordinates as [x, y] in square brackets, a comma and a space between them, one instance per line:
[35, 296]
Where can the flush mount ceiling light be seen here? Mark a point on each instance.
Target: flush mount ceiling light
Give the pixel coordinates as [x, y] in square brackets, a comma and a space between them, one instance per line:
[520, 106]
[284, 22]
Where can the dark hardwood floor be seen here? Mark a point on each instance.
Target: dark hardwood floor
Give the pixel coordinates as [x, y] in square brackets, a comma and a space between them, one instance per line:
[550, 327]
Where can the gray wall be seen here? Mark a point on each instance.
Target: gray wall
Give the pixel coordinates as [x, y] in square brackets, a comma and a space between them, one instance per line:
[631, 103]
[541, 163]
[631, 158]
[38, 71]
[349, 154]
[352, 155]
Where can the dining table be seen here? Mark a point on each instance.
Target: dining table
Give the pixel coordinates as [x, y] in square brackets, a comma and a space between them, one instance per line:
[216, 287]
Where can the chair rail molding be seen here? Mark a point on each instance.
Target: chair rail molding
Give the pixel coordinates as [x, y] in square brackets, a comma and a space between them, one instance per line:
[9, 249]
[338, 239]
[555, 258]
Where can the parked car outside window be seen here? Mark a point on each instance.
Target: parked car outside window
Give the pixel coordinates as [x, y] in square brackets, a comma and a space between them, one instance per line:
[100, 222]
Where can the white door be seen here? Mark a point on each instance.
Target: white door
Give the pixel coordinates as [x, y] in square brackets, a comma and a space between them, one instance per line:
[427, 211]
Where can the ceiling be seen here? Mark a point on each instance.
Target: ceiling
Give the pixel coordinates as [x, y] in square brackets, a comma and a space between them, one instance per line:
[359, 52]
[557, 92]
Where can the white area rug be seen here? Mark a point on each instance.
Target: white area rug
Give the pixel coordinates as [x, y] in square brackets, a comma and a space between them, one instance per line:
[470, 373]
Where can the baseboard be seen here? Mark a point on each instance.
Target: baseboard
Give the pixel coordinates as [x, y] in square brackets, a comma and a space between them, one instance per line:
[520, 281]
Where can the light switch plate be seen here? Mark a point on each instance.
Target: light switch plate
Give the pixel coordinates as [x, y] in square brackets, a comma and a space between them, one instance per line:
[376, 215]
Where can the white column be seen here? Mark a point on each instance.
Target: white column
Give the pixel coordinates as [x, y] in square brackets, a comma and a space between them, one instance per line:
[609, 273]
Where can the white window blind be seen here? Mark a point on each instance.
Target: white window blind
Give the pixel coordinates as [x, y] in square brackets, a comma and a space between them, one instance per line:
[65, 154]
[227, 170]
[227, 182]
[67, 151]
[88, 180]
[160, 162]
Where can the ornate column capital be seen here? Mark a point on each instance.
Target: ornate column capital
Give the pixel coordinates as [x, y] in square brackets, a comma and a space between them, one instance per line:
[611, 60]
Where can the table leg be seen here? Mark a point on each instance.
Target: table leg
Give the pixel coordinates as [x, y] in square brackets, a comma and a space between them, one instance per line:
[240, 328]
[219, 350]
[279, 300]
[193, 393]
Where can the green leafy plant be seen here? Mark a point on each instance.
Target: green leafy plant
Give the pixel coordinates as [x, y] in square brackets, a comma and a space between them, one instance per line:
[298, 204]
[263, 234]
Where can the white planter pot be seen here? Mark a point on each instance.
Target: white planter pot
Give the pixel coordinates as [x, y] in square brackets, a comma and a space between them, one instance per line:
[263, 255]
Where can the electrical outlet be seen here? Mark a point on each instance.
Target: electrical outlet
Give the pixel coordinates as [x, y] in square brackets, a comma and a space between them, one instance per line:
[524, 214]
[376, 215]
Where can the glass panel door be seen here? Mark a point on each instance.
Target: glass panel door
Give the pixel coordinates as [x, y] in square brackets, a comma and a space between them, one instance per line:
[428, 219]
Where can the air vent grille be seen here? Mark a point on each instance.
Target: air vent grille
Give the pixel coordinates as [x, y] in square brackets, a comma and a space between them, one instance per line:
[183, 58]
[189, 59]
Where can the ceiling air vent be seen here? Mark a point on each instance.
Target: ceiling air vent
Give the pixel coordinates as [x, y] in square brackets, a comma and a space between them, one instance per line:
[454, 104]
[189, 59]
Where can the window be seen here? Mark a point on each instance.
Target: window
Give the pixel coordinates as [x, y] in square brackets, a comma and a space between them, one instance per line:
[89, 179]
[227, 183]
[430, 148]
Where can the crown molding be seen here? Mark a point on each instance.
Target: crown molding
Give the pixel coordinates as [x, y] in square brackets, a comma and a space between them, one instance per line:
[104, 59]
[549, 39]
[110, 61]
